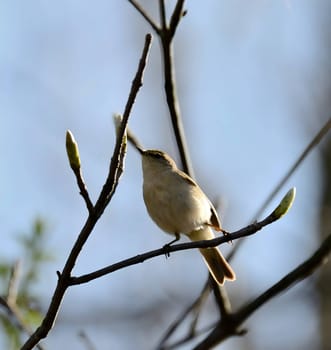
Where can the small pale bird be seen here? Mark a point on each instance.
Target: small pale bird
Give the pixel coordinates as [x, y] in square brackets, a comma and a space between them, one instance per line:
[177, 205]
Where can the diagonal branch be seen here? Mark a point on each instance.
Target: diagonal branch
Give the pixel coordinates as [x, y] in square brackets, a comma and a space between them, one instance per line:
[163, 17]
[109, 185]
[176, 16]
[145, 15]
[313, 143]
[9, 302]
[223, 331]
[108, 189]
[247, 231]
[303, 271]
[194, 307]
[83, 189]
[166, 33]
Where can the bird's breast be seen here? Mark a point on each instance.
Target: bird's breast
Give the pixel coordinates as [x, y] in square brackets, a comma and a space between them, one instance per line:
[175, 208]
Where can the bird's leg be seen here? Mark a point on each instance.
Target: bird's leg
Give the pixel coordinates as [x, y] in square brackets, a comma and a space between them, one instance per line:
[177, 237]
[166, 246]
[225, 233]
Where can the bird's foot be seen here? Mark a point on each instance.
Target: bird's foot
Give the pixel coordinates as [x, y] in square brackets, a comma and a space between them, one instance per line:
[167, 246]
[226, 233]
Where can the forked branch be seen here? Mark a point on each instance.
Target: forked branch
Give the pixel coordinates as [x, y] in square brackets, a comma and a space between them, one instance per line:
[108, 190]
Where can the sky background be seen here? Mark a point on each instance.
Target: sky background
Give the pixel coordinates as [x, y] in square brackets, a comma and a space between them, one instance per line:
[252, 77]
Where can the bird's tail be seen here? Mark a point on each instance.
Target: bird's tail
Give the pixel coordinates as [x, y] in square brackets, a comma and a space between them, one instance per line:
[216, 263]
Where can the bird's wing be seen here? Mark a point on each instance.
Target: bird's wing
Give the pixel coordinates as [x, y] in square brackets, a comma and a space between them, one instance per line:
[214, 220]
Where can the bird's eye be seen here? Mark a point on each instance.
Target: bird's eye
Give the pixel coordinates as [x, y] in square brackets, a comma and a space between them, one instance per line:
[156, 155]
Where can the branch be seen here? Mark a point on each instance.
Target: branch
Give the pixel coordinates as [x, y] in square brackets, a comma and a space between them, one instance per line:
[107, 191]
[176, 16]
[172, 101]
[281, 210]
[163, 18]
[75, 164]
[12, 289]
[83, 190]
[166, 33]
[223, 331]
[136, 84]
[15, 314]
[313, 143]
[10, 302]
[249, 230]
[193, 307]
[145, 15]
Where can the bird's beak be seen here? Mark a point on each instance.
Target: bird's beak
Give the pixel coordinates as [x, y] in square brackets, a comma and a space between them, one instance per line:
[140, 150]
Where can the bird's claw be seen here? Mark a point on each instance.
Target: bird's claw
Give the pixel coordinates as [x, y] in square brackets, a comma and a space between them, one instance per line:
[226, 233]
[166, 247]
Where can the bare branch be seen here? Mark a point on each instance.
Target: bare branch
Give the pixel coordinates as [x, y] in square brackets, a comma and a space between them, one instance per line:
[145, 15]
[107, 190]
[163, 18]
[247, 231]
[87, 341]
[108, 187]
[195, 307]
[17, 318]
[13, 283]
[83, 189]
[75, 164]
[173, 105]
[165, 34]
[176, 16]
[223, 331]
[303, 271]
[313, 143]
[10, 302]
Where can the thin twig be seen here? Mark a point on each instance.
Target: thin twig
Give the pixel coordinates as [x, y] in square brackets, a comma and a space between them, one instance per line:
[165, 34]
[166, 37]
[13, 283]
[87, 341]
[10, 302]
[188, 338]
[224, 306]
[313, 143]
[145, 15]
[17, 318]
[163, 18]
[193, 307]
[176, 16]
[308, 267]
[114, 164]
[173, 105]
[109, 187]
[83, 189]
[247, 231]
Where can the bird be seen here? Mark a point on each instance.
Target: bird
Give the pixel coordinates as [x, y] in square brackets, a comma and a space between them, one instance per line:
[177, 204]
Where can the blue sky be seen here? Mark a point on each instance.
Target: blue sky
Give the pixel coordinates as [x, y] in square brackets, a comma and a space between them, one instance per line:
[251, 79]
